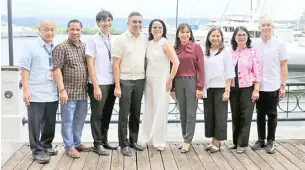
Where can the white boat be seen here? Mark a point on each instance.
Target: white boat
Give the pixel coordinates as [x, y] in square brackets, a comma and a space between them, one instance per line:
[18, 31]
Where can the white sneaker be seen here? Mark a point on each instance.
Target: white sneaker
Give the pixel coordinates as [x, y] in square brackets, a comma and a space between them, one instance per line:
[214, 149]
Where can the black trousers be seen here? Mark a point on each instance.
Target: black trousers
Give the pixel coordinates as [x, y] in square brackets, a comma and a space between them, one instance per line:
[215, 114]
[130, 105]
[267, 105]
[42, 119]
[242, 111]
[101, 112]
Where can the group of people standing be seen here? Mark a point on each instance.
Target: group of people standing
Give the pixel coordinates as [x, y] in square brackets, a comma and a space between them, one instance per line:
[133, 64]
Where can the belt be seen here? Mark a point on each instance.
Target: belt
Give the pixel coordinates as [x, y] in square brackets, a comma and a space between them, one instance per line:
[186, 77]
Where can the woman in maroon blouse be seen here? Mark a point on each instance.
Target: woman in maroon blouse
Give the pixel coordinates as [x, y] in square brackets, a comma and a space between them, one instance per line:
[188, 82]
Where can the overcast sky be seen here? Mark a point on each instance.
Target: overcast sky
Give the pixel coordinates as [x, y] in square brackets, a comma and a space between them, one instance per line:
[277, 9]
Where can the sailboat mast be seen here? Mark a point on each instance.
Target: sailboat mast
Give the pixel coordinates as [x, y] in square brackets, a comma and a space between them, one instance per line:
[251, 10]
[251, 5]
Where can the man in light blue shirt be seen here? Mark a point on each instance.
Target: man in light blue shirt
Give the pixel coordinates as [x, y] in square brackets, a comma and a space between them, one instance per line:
[40, 92]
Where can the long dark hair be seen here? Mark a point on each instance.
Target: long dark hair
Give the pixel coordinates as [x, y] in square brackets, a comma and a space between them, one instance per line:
[151, 37]
[177, 39]
[208, 44]
[233, 41]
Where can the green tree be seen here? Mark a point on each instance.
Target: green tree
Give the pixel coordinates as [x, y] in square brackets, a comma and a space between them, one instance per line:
[86, 31]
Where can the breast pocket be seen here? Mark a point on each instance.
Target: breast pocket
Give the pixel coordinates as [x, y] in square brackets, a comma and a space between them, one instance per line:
[40, 61]
[72, 60]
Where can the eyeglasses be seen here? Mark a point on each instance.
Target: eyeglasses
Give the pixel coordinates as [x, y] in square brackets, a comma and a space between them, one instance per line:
[241, 35]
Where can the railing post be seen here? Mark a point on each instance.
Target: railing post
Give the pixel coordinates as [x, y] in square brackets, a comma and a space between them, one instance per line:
[10, 32]
[287, 102]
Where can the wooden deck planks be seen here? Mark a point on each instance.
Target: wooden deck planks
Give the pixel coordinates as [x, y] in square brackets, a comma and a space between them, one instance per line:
[16, 158]
[104, 162]
[155, 158]
[168, 159]
[143, 160]
[291, 157]
[193, 160]
[117, 160]
[270, 160]
[205, 158]
[244, 159]
[296, 151]
[231, 159]
[290, 154]
[180, 158]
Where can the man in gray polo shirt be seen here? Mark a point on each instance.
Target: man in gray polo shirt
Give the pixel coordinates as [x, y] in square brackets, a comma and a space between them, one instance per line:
[101, 82]
[40, 92]
[129, 75]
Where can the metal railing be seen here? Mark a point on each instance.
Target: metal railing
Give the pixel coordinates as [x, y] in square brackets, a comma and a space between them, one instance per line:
[290, 108]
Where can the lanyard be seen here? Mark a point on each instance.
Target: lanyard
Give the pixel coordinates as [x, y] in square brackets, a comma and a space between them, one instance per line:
[107, 46]
[49, 53]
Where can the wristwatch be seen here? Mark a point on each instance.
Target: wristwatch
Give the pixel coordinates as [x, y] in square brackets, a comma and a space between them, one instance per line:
[283, 86]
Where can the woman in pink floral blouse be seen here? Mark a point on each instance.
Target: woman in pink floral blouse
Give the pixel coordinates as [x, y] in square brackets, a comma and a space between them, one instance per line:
[244, 88]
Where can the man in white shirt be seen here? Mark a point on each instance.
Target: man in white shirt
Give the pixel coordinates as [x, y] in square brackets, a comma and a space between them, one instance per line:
[101, 82]
[274, 75]
[129, 74]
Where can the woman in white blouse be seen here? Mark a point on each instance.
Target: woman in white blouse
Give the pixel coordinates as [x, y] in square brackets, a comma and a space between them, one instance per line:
[219, 72]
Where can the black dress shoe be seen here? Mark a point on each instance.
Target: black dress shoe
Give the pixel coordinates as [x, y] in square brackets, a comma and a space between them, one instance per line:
[100, 150]
[126, 151]
[137, 147]
[51, 151]
[108, 146]
[41, 158]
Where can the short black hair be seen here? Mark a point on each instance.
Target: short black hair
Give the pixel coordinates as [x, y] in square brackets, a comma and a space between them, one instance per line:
[134, 14]
[75, 21]
[103, 14]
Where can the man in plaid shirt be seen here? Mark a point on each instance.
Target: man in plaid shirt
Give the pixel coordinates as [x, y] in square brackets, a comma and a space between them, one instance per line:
[71, 75]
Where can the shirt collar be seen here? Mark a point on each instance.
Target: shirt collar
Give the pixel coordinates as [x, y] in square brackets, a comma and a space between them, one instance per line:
[131, 35]
[43, 43]
[189, 47]
[263, 42]
[104, 36]
[77, 45]
[243, 49]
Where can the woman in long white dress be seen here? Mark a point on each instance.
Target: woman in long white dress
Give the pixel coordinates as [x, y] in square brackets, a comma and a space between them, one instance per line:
[159, 77]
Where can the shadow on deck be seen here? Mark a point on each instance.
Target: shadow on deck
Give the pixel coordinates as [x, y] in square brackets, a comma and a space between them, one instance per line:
[290, 155]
